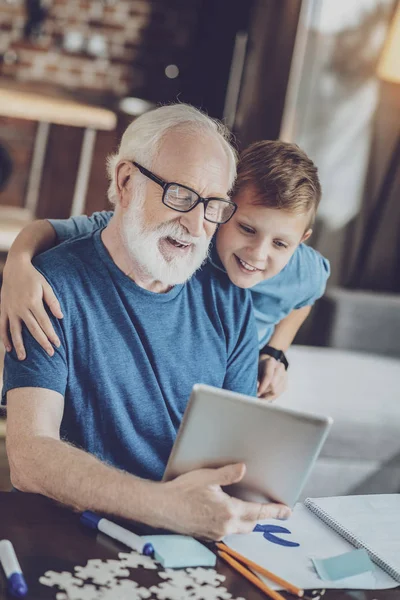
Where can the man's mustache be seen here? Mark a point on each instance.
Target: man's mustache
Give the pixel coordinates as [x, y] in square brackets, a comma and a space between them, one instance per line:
[178, 232]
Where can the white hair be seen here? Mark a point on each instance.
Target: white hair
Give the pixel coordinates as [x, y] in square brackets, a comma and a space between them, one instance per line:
[142, 139]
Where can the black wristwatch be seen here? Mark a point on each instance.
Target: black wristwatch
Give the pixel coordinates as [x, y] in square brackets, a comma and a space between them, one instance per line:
[279, 355]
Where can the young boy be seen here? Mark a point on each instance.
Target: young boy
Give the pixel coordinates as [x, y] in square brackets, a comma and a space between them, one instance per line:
[277, 192]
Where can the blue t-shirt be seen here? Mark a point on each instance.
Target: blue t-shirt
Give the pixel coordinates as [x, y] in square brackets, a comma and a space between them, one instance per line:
[300, 283]
[129, 357]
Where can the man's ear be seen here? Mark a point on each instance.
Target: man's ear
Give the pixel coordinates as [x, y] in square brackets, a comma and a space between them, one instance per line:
[306, 236]
[123, 182]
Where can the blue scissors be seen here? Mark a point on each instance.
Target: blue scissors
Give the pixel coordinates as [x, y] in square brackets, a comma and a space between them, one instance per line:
[268, 534]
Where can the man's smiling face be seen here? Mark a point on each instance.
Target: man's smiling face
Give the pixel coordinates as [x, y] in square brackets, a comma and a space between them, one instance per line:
[258, 242]
[169, 245]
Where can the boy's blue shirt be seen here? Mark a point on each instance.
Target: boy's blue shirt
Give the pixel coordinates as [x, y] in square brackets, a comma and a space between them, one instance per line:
[129, 357]
[299, 284]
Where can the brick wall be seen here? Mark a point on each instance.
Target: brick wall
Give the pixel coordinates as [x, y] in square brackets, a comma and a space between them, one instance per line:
[114, 46]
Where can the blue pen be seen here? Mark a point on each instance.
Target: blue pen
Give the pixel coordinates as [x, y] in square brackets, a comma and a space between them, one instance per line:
[90, 519]
[16, 583]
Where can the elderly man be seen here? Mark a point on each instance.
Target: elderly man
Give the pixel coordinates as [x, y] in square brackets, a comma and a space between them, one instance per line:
[93, 425]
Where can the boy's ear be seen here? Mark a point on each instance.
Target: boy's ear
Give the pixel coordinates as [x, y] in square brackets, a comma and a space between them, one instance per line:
[306, 235]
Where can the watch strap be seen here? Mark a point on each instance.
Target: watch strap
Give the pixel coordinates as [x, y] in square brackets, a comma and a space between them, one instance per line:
[279, 355]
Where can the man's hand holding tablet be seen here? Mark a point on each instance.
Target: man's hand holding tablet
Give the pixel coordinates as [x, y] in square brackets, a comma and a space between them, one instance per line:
[198, 498]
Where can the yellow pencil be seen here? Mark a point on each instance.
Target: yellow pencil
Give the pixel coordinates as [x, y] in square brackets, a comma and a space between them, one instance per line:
[249, 563]
[251, 577]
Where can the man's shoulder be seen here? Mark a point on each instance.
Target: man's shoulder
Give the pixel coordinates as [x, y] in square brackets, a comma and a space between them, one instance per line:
[217, 282]
[65, 261]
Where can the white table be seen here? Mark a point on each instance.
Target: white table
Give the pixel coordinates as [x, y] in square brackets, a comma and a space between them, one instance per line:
[362, 394]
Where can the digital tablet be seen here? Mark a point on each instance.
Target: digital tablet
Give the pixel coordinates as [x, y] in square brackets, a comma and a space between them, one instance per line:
[279, 446]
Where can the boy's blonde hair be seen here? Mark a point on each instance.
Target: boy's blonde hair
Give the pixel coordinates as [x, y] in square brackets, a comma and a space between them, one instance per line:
[282, 176]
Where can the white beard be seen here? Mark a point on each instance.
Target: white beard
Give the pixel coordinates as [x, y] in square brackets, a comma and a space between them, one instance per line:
[143, 244]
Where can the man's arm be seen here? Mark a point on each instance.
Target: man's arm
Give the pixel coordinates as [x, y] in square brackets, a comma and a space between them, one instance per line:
[41, 463]
[192, 504]
[272, 375]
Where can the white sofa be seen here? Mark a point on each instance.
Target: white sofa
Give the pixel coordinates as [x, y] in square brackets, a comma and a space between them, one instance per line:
[362, 394]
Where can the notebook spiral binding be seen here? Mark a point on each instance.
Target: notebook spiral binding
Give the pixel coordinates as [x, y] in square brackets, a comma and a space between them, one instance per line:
[333, 524]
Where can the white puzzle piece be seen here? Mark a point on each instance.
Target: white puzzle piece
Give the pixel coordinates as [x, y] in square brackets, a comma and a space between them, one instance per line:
[169, 591]
[52, 578]
[134, 560]
[210, 576]
[179, 578]
[111, 581]
[72, 588]
[102, 572]
[125, 589]
[73, 592]
[209, 592]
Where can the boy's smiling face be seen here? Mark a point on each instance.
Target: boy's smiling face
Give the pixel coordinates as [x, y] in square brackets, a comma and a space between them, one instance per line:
[258, 241]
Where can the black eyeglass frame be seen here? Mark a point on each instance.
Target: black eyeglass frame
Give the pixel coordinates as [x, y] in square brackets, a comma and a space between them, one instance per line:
[165, 185]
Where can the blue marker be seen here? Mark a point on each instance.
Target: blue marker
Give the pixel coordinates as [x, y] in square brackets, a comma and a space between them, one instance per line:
[16, 583]
[90, 519]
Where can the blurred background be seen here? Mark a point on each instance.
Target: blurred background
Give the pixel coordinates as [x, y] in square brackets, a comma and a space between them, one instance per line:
[322, 73]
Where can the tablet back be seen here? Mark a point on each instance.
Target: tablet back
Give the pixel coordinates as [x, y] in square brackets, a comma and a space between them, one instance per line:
[279, 446]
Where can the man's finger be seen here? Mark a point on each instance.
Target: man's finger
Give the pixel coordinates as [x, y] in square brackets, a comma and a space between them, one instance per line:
[255, 511]
[228, 475]
[51, 300]
[274, 511]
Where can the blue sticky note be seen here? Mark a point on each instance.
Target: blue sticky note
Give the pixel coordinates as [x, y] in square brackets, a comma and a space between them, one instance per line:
[179, 551]
[345, 565]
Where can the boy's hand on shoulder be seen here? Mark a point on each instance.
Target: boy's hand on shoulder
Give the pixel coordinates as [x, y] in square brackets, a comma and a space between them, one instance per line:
[272, 378]
[23, 294]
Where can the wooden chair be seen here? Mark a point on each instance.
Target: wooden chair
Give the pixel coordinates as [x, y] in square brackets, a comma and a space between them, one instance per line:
[47, 110]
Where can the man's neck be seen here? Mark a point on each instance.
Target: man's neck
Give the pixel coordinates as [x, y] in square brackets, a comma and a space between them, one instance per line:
[113, 241]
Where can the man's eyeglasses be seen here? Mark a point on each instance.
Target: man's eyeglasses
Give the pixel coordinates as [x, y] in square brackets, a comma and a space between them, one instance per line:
[184, 199]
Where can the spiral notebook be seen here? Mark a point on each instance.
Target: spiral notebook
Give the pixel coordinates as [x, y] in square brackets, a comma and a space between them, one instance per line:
[327, 527]
[371, 522]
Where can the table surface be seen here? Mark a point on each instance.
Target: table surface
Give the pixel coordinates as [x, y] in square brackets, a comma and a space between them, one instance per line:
[48, 536]
[329, 377]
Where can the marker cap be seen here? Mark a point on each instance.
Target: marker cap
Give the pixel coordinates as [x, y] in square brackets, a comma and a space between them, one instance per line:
[17, 585]
[90, 519]
[148, 549]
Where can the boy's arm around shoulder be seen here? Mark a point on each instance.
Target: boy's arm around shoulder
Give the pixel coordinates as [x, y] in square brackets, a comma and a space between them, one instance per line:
[66, 229]
[24, 291]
